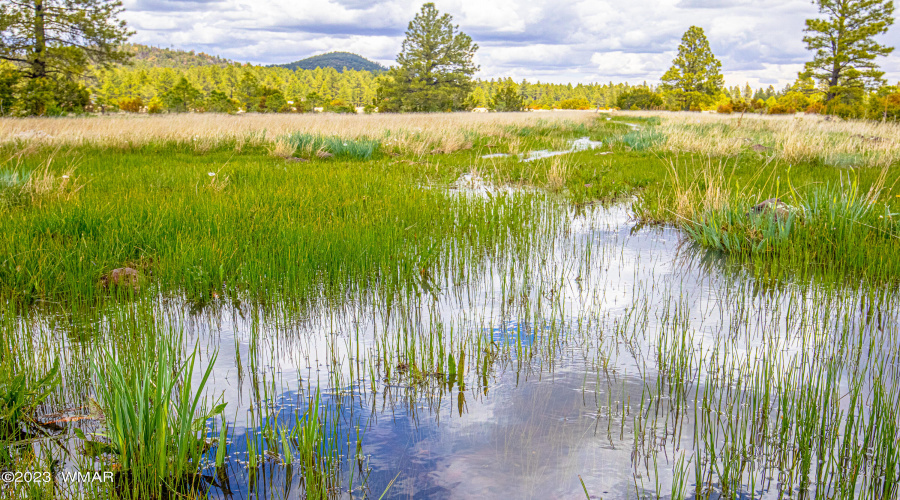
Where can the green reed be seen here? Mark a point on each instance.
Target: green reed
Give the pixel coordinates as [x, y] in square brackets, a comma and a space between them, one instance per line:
[154, 418]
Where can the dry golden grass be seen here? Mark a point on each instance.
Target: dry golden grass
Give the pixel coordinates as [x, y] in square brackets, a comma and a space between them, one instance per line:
[281, 148]
[695, 194]
[415, 133]
[47, 181]
[558, 172]
[793, 138]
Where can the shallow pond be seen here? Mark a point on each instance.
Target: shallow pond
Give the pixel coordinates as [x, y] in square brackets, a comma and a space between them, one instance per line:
[607, 361]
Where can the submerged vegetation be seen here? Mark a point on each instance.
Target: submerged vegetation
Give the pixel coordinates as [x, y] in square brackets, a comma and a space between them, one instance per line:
[370, 306]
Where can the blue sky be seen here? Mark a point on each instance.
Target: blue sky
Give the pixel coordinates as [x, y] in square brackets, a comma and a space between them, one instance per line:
[759, 41]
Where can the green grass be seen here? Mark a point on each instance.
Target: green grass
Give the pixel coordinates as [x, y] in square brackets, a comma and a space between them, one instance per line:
[357, 149]
[258, 228]
[154, 418]
[272, 239]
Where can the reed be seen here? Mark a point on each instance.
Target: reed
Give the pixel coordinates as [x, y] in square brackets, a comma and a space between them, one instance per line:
[154, 418]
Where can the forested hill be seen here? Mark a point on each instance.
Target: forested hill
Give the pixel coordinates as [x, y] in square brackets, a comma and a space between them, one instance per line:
[336, 60]
[144, 55]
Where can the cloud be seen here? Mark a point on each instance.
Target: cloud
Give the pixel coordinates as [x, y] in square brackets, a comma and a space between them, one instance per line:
[165, 6]
[551, 40]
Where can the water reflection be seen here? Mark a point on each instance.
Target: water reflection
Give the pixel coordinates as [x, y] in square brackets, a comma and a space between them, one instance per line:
[590, 363]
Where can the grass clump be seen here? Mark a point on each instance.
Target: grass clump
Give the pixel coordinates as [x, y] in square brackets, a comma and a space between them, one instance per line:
[643, 139]
[22, 186]
[360, 148]
[834, 226]
[155, 422]
[20, 395]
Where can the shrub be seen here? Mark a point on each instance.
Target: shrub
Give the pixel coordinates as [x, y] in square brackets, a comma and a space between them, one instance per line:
[885, 105]
[740, 106]
[794, 100]
[781, 109]
[639, 98]
[815, 108]
[579, 103]
[340, 106]
[132, 105]
[726, 108]
[845, 110]
[155, 106]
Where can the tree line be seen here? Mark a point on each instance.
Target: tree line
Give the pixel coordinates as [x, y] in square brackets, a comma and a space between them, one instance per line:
[61, 57]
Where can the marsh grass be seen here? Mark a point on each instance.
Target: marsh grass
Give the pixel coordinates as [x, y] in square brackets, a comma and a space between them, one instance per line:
[833, 227]
[309, 145]
[244, 226]
[268, 244]
[643, 139]
[800, 138]
[22, 185]
[21, 394]
[154, 419]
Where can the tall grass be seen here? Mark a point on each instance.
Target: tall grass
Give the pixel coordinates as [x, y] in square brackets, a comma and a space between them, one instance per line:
[155, 418]
[269, 231]
[804, 138]
[834, 227]
[411, 133]
[310, 145]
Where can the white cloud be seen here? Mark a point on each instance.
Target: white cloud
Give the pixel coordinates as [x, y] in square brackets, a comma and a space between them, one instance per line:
[547, 40]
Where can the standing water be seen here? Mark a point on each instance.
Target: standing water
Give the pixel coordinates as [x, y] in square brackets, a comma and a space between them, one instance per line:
[601, 360]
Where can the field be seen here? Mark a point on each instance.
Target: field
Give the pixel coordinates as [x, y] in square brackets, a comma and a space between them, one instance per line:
[531, 305]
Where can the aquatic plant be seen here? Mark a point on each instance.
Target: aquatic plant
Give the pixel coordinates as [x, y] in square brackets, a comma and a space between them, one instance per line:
[155, 421]
[21, 394]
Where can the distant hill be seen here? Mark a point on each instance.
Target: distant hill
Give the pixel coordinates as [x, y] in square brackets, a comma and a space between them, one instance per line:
[336, 60]
[172, 58]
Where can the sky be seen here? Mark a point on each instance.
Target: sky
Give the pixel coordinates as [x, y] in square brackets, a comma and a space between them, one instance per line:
[758, 41]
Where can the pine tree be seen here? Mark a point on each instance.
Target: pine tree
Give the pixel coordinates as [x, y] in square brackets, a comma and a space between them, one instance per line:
[435, 67]
[844, 45]
[60, 37]
[507, 98]
[52, 42]
[695, 75]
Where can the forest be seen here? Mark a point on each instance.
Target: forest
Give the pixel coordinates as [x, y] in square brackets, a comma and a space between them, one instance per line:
[158, 80]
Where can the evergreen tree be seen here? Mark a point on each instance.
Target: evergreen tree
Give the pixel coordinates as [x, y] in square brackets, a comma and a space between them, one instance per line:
[435, 67]
[844, 45]
[695, 76]
[52, 42]
[60, 37]
[182, 96]
[508, 98]
[748, 93]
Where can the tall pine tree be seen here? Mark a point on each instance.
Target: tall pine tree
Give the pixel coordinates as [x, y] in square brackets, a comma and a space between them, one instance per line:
[435, 67]
[844, 44]
[51, 43]
[695, 76]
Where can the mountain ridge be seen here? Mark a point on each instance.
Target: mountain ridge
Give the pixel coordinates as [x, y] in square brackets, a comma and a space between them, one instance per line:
[337, 60]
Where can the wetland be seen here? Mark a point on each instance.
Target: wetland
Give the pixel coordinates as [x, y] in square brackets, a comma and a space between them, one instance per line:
[399, 307]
